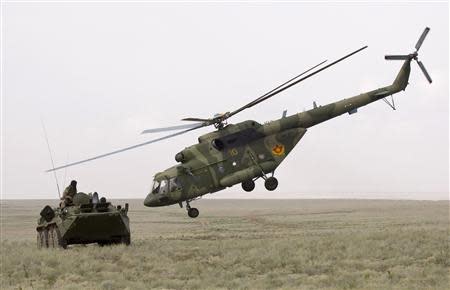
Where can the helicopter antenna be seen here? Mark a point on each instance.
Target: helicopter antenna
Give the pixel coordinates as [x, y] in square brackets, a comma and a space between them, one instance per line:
[51, 158]
[65, 169]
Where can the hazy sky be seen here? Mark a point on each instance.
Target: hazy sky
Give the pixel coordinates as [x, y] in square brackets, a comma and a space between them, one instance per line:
[100, 73]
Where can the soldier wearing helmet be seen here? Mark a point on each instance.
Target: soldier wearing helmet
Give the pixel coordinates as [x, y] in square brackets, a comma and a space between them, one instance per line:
[68, 194]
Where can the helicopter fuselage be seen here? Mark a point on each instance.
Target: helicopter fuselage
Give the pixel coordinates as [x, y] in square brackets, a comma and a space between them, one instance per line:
[248, 150]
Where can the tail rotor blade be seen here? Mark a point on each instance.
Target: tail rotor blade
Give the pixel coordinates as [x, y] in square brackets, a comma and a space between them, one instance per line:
[422, 38]
[422, 67]
[396, 57]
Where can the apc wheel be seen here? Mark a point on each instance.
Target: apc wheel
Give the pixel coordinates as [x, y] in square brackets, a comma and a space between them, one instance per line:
[62, 243]
[271, 183]
[45, 234]
[40, 239]
[126, 240]
[193, 212]
[248, 185]
[52, 238]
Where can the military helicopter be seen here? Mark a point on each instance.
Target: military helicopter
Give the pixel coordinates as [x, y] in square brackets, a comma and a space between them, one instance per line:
[247, 151]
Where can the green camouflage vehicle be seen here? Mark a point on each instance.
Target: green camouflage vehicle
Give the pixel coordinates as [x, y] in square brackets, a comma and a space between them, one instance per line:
[87, 220]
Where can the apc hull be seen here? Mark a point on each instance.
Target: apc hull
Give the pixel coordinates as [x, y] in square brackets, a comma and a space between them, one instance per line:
[83, 224]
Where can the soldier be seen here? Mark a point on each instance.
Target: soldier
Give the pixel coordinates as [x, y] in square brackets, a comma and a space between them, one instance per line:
[69, 193]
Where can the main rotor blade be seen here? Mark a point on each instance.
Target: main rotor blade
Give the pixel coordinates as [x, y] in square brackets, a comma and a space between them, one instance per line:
[261, 99]
[171, 128]
[287, 82]
[396, 57]
[125, 149]
[422, 38]
[196, 119]
[422, 67]
[256, 100]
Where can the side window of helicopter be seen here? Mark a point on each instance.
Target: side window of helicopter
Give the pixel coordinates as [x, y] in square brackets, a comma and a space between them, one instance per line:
[218, 144]
[174, 184]
[155, 188]
[164, 186]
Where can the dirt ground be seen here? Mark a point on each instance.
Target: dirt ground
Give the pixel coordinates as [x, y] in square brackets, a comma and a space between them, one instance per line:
[242, 244]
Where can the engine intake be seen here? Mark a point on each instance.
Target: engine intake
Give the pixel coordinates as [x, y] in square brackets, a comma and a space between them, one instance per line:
[179, 157]
[184, 155]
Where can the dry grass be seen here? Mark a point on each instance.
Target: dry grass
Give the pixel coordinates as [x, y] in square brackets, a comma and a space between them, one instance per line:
[296, 244]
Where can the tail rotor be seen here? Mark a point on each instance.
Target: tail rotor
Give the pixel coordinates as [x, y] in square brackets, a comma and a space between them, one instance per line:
[422, 38]
[414, 55]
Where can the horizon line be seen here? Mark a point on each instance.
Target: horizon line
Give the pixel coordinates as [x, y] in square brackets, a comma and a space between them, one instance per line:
[261, 198]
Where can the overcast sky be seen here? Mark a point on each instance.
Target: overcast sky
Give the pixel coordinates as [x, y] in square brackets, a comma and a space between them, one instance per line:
[100, 73]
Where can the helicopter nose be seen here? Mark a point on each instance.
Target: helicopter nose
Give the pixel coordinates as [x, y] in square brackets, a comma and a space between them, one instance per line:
[150, 200]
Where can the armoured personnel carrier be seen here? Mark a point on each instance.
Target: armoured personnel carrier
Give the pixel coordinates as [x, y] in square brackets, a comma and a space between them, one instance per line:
[87, 220]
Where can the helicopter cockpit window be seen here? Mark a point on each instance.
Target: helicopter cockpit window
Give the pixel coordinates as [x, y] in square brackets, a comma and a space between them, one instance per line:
[174, 184]
[163, 188]
[155, 188]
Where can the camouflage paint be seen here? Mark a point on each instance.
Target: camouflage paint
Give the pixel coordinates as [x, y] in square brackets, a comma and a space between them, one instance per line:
[248, 150]
[84, 223]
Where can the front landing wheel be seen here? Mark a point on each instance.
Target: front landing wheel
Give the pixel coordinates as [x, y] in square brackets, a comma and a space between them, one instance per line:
[271, 183]
[193, 212]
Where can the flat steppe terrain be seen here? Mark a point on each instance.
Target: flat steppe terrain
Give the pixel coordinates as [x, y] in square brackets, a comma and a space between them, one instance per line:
[242, 244]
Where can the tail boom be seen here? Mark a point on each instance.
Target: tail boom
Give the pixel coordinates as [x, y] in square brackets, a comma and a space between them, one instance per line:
[323, 113]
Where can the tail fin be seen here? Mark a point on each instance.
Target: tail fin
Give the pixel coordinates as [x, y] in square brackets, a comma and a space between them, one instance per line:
[401, 81]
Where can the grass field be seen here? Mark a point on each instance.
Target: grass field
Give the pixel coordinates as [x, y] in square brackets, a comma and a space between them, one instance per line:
[243, 244]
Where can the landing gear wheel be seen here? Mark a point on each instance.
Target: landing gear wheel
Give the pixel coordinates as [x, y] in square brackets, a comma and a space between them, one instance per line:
[193, 212]
[248, 185]
[271, 183]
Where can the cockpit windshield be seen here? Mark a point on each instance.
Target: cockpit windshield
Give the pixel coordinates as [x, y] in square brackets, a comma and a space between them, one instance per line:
[166, 185]
[155, 188]
[174, 184]
[163, 188]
